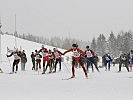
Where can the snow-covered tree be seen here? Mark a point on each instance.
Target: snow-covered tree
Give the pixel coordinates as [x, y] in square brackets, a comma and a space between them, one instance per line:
[112, 45]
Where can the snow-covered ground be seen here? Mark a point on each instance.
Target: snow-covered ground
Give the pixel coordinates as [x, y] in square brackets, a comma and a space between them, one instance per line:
[31, 85]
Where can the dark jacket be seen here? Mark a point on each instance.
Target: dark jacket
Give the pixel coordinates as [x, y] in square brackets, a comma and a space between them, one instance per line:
[23, 57]
[33, 57]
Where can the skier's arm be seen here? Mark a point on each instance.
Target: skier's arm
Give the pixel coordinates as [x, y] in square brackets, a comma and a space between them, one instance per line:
[80, 51]
[39, 51]
[60, 52]
[68, 51]
[10, 55]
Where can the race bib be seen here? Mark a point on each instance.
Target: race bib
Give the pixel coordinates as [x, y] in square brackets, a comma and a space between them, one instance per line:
[76, 54]
[88, 53]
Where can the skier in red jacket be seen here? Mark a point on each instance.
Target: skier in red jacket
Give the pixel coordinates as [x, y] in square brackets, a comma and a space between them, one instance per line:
[57, 55]
[76, 57]
[44, 52]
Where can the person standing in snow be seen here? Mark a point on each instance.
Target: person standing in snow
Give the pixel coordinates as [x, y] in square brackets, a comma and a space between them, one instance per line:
[57, 55]
[130, 56]
[76, 57]
[17, 56]
[23, 60]
[50, 62]
[44, 52]
[123, 60]
[38, 60]
[33, 60]
[108, 60]
[90, 56]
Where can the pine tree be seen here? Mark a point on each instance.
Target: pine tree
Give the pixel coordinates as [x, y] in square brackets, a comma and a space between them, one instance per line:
[112, 43]
[93, 44]
[101, 45]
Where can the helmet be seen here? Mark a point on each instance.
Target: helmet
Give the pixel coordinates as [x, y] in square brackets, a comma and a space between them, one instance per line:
[87, 46]
[74, 45]
[42, 46]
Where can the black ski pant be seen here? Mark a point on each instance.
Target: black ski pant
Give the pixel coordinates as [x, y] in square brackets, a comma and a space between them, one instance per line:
[33, 62]
[15, 63]
[107, 65]
[56, 62]
[91, 61]
[125, 63]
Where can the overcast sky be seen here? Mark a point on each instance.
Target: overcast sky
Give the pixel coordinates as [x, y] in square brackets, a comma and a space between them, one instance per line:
[83, 19]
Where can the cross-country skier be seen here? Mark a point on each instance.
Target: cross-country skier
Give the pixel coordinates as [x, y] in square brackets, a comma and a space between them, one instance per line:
[16, 55]
[90, 56]
[57, 56]
[76, 57]
[130, 56]
[23, 60]
[123, 60]
[50, 62]
[107, 60]
[38, 60]
[44, 52]
[33, 60]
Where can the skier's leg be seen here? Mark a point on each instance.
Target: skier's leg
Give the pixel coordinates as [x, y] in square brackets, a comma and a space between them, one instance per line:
[55, 65]
[44, 65]
[50, 65]
[22, 66]
[81, 62]
[36, 65]
[109, 65]
[106, 66]
[40, 65]
[13, 66]
[126, 65]
[60, 64]
[92, 67]
[88, 64]
[16, 67]
[120, 64]
[73, 70]
[95, 63]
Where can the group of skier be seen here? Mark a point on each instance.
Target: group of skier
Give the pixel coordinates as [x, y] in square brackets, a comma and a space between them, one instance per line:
[52, 58]
[125, 59]
[18, 55]
[83, 58]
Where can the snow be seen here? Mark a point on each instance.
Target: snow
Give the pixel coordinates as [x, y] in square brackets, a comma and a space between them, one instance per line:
[31, 85]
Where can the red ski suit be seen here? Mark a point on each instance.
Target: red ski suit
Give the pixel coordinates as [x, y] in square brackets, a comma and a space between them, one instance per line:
[76, 58]
[44, 54]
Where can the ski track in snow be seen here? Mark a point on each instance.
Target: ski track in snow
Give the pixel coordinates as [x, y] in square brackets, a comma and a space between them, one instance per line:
[32, 85]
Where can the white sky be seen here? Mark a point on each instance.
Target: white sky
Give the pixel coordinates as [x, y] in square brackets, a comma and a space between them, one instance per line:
[84, 19]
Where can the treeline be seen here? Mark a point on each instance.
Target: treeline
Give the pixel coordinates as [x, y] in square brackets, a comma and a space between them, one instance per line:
[114, 45]
[64, 43]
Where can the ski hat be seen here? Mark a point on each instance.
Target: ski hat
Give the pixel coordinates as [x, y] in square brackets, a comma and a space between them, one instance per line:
[74, 45]
[35, 50]
[87, 46]
[42, 46]
[55, 49]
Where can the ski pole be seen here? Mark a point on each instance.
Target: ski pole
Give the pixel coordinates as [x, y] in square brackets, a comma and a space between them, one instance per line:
[66, 67]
